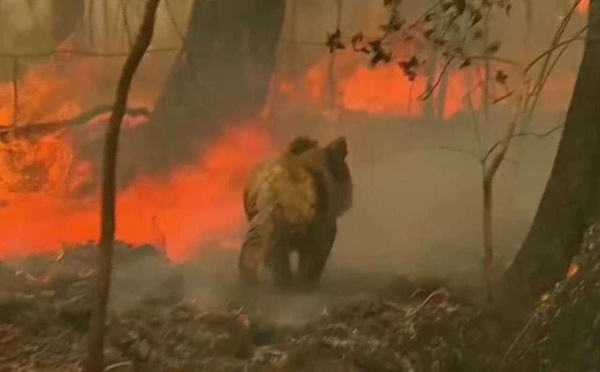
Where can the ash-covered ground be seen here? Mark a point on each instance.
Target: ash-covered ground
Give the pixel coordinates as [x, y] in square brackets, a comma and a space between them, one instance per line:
[193, 317]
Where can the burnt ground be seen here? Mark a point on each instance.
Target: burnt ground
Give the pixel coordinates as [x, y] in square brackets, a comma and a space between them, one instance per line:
[184, 318]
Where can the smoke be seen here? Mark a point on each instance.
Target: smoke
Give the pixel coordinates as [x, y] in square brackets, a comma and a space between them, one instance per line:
[418, 197]
[417, 208]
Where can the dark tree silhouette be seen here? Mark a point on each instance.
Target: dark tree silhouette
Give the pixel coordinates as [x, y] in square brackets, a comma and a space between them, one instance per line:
[94, 362]
[571, 199]
[222, 75]
[66, 15]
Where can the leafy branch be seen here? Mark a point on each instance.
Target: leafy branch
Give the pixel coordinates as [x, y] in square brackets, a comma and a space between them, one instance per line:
[458, 31]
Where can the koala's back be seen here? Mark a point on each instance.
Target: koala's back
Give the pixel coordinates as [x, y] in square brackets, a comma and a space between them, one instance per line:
[284, 186]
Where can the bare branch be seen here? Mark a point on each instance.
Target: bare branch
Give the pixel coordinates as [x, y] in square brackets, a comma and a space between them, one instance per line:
[502, 97]
[30, 130]
[460, 151]
[521, 134]
[476, 129]
[424, 14]
[503, 60]
[554, 47]
[504, 144]
[83, 52]
[429, 91]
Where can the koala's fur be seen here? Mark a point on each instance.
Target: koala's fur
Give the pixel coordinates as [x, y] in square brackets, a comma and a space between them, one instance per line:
[292, 204]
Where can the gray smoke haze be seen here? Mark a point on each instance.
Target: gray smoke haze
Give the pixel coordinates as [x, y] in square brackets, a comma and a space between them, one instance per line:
[417, 207]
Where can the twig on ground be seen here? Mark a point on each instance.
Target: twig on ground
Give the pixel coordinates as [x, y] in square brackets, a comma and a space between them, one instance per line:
[117, 365]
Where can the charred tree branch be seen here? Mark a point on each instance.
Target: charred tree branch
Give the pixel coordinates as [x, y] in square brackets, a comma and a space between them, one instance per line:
[30, 130]
[432, 88]
[521, 134]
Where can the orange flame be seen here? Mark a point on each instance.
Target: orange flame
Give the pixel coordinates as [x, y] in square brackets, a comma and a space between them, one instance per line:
[573, 270]
[583, 6]
[194, 205]
[383, 90]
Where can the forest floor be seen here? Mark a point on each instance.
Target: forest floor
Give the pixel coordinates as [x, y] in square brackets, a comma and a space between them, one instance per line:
[157, 324]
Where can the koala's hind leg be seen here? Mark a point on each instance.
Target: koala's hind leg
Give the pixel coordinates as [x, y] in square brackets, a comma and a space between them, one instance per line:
[279, 257]
[314, 255]
[258, 245]
[279, 262]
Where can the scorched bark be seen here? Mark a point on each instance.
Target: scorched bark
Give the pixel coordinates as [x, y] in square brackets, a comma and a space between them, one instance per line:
[571, 199]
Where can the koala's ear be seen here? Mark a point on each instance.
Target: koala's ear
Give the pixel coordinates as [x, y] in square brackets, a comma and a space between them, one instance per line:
[301, 144]
[338, 148]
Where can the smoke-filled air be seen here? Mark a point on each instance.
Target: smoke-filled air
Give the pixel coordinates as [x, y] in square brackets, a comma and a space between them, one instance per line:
[299, 185]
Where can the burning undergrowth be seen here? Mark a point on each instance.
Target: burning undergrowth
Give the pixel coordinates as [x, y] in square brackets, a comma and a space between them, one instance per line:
[50, 200]
[192, 206]
[50, 178]
[50, 167]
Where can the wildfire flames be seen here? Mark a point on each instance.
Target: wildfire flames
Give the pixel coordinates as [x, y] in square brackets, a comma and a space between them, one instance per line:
[583, 6]
[384, 90]
[193, 205]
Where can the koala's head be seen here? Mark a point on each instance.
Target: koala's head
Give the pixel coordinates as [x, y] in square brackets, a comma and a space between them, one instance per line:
[301, 144]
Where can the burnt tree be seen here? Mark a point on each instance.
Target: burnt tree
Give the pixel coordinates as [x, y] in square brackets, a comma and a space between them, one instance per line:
[94, 362]
[222, 75]
[571, 199]
[66, 16]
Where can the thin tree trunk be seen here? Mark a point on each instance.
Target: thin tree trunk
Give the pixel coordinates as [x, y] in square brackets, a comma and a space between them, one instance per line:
[570, 201]
[333, 88]
[432, 68]
[488, 239]
[489, 172]
[94, 362]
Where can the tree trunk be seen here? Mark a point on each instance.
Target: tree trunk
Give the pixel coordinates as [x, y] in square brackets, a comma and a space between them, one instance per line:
[570, 201]
[223, 75]
[66, 16]
[488, 235]
[94, 362]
